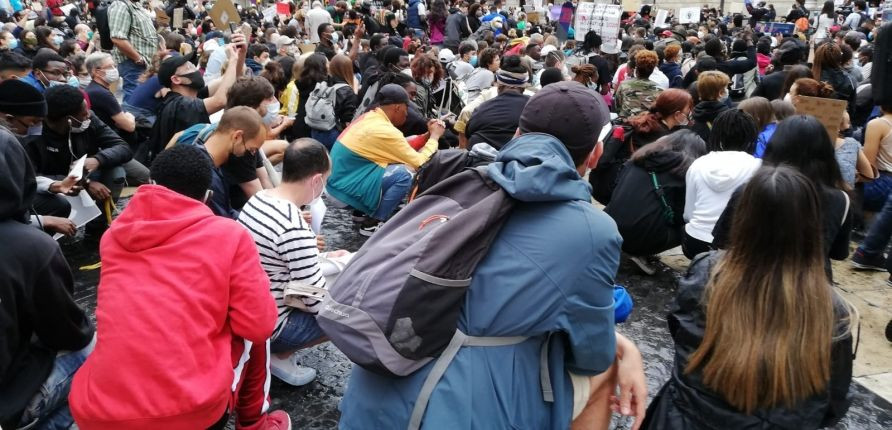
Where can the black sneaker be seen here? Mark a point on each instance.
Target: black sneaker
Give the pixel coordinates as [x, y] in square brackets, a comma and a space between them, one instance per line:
[369, 227]
[889, 331]
[863, 261]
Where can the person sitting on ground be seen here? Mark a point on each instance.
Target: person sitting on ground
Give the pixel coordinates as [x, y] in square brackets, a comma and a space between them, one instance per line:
[712, 90]
[542, 168]
[102, 69]
[48, 69]
[761, 337]
[496, 119]
[40, 317]
[189, 100]
[648, 202]
[289, 255]
[760, 109]
[637, 94]
[240, 132]
[802, 143]
[370, 160]
[71, 131]
[712, 178]
[203, 306]
[14, 65]
[22, 110]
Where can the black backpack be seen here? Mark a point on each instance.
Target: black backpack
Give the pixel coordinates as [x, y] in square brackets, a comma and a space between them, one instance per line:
[882, 66]
[617, 150]
[101, 16]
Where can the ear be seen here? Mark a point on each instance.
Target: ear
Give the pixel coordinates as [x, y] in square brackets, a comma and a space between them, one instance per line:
[595, 155]
[236, 134]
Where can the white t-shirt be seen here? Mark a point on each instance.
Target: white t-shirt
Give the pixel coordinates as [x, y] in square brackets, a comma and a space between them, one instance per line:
[315, 18]
[824, 24]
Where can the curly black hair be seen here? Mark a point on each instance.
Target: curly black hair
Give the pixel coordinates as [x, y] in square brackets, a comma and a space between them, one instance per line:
[185, 169]
[63, 101]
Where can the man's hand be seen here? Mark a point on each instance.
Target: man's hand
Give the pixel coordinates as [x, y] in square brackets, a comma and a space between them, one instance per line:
[98, 190]
[632, 400]
[67, 186]
[91, 164]
[359, 31]
[56, 224]
[238, 41]
[320, 242]
[436, 128]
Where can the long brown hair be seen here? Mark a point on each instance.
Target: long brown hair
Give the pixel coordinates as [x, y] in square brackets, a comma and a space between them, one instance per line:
[769, 305]
[342, 67]
[827, 56]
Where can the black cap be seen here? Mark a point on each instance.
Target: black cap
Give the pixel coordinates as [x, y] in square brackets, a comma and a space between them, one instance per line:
[392, 94]
[568, 111]
[21, 99]
[169, 67]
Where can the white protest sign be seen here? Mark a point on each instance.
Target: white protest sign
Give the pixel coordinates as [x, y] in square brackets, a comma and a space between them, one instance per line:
[269, 13]
[689, 15]
[178, 18]
[83, 210]
[662, 15]
[602, 19]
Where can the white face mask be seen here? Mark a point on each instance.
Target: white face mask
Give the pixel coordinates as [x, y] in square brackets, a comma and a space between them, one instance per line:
[111, 75]
[272, 111]
[407, 72]
[84, 81]
[80, 129]
[318, 196]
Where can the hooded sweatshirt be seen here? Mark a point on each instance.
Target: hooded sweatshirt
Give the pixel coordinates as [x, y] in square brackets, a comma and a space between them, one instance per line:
[35, 291]
[177, 285]
[553, 261]
[704, 114]
[710, 181]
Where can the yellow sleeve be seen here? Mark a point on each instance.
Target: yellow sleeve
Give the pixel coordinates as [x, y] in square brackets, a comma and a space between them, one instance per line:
[390, 146]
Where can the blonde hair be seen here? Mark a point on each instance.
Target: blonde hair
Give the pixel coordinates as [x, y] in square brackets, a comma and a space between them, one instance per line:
[711, 84]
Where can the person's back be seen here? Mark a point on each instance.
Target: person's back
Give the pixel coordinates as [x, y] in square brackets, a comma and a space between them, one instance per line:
[178, 287]
[555, 240]
[35, 299]
[789, 372]
[316, 17]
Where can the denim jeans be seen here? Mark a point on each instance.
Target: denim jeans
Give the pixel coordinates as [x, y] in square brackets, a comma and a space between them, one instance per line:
[326, 138]
[130, 73]
[144, 117]
[395, 186]
[48, 408]
[876, 191]
[880, 231]
[113, 178]
[299, 330]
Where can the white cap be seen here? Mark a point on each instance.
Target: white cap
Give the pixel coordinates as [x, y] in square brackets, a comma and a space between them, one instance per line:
[446, 55]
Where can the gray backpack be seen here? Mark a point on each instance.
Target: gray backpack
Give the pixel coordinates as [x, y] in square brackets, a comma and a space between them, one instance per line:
[321, 107]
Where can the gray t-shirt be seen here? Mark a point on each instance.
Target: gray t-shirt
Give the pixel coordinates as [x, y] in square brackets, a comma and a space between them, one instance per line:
[847, 158]
[479, 80]
[460, 69]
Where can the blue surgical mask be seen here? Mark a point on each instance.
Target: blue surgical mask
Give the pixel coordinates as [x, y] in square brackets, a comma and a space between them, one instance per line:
[74, 81]
[13, 44]
[89, 35]
[474, 61]
[272, 111]
[36, 129]
[58, 40]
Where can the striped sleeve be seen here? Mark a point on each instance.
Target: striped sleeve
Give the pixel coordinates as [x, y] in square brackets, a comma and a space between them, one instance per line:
[297, 249]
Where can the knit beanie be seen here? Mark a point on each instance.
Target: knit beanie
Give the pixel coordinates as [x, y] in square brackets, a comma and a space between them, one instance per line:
[21, 99]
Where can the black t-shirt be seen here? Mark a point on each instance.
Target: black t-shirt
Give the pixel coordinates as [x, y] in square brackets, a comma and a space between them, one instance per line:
[103, 103]
[176, 113]
[604, 74]
[328, 51]
[495, 121]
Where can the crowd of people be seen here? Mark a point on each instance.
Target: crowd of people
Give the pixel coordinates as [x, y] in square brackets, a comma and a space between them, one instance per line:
[214, 274]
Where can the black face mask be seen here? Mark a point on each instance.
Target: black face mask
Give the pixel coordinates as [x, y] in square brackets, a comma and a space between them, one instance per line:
[196, 81]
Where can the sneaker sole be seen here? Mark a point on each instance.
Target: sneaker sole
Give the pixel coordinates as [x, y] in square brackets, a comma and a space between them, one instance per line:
[366, 233]
[644, 267]
[291, 379]
[860, 266]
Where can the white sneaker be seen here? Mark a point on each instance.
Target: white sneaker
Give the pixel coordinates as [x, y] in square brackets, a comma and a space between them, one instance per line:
[643, 264]
[369, 230]
[290, 372]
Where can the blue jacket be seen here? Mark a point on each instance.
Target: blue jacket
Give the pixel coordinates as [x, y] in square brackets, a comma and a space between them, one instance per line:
[412, 17]
[549, 271]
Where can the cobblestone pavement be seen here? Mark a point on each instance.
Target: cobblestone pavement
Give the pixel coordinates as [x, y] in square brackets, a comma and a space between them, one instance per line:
[316, 406]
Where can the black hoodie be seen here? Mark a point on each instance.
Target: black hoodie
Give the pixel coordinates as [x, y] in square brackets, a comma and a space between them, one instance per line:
[704, 114]
[639, 213]
[35, 291]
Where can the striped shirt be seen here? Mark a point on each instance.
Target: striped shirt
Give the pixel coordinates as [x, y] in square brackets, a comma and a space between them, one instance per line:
[128, 20]
[287, 250]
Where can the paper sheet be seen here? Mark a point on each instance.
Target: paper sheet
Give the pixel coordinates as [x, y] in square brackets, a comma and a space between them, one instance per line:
[77, 169]
[689, 15]
[317, 213]
[83, 210]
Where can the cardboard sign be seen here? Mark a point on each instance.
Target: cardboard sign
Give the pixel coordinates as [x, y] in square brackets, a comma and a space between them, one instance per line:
[689, 15]
[178, 18]
[283, 9]
[533, 17]
[307, 47]
[828, 111]
[662, 15]
[223, 13]
[784, 28]
[632, 5]
[161, 17]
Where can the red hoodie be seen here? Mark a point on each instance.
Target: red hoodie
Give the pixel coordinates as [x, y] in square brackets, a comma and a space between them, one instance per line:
[177, 283]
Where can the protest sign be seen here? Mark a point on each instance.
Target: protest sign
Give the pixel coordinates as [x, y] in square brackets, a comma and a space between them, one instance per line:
[283, 9]
[223, 13]
[784, 28]
[178, 18]
[662, 16]
[533, 17]
[631, 5]
[602, 19]
[689, 15]
[828, 111]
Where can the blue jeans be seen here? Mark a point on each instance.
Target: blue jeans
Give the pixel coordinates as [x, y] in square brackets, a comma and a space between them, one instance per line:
[130, 73]
[144, 117]
[298, 331]
[880, 231]
[49, 407]
[326, 138]
[876, 191]
[395, 186]
[113, 178]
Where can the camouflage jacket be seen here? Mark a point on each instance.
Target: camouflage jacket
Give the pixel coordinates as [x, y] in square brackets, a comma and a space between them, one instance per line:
[634, 96]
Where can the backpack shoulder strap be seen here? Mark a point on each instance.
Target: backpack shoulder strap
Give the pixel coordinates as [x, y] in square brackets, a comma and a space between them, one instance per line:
[845, 213]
